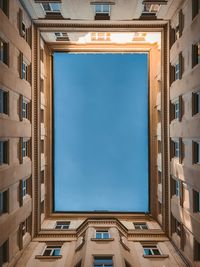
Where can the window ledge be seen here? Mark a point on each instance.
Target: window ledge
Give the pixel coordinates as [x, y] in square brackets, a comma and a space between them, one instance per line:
[102, 239]
[156, 256]
[48, 257]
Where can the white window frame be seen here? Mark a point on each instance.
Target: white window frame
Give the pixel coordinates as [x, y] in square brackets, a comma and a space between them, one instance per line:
[52, 248]
[102, 233]
[176, 108]
[51, 7]
[177, 71]
[140, 226]
[24, 70]
[102, 11]
[151, 248]
[62, 225]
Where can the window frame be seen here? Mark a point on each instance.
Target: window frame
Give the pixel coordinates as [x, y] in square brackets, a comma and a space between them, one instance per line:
[102, 234]
[4, 102]
[51, 8]
[60, 225]
[4, 202]
[102, 11]
[52, 248]
[140, 226]
[4, 152]
[151, 248]
[4, 52]
[105, 261]
[24, 71]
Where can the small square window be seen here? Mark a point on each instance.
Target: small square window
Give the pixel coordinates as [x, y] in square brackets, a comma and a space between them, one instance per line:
[3, 102]
[102, 234]
[3, 152]
[103, 261]
[151, 250]
[140, 226]
[62, 225]
[52, 251]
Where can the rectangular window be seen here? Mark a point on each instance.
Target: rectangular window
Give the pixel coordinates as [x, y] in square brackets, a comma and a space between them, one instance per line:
[25, 108]
[24, 71]
[196, 250]
[177, 71]
[102, 12]
[151, 250]
[52, 251]
[176, 149]
[3, 102]
[4, 253]
[103, 261]
[4, 6]
[24, 187]
[24, 149]
[177, 188]
[51, 7]
[102, 234]
[3, 152]
[3, 202]
[62, 225]
[140, 226]
[196, 152]
[24, 227]
[4, 51]
[195, 8]
[196, 103]
[196, 201]
[159, 208]
[195, 54]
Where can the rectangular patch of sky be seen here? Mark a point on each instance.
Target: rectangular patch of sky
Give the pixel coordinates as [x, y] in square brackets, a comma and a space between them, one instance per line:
[100, 132]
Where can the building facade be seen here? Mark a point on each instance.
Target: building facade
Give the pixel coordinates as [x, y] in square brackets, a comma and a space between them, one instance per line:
[31, 233]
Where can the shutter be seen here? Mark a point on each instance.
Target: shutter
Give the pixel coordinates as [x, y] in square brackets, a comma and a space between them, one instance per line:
[181, 65]
[30, 36]
[194, 55]
[20, 237]
[172, 74]
[194, 103]
[20, 22]
[172, 111]
[20, 194]
[172, 36]
[20, 150]
[171, 149]
[180, 100]
[181, 22]
[20, 107]
[181, 150]
[20, 64]
[181, 194]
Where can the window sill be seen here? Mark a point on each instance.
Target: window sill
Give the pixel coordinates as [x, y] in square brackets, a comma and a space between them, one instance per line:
[102, 239]
[41, 257]
[156, 256]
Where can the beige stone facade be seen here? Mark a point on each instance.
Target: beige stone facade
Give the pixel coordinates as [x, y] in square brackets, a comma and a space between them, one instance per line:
[31, 233]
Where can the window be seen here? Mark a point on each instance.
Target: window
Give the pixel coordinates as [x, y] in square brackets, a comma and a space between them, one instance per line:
[176, 109]
[52, 251]
[4, 6]
[103, 261]
[24, 149]
[25, 108]
[177, 188]
[4, 52]
[100, 36]
[140, 226]
[196, 152]
[196, 103]
[103, 8]
[151, 250]
[24, 227]
[159, 208]
[4, 253]
[3, 202]
[102, 234]
[51, 7]
[195, 54]
[61, 35]
[102, 11]
[42, 177]
[24, 187]
[195, 8]
[3, 152]
[196, 250]
[24, 71]
[177, 71]
[196, 201]
[62, 225]
[3, 102]
[176, 149]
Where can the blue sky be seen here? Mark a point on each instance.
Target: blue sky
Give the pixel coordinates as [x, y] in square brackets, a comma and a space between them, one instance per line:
[101, 132]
